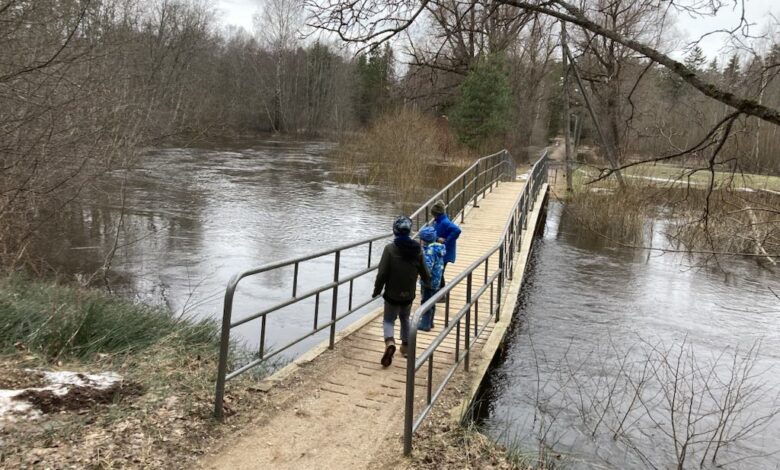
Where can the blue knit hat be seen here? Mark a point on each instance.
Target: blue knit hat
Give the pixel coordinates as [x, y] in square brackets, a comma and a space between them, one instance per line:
[428, 234]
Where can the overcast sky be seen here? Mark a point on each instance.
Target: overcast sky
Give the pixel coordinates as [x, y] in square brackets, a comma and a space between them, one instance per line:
[758, 12]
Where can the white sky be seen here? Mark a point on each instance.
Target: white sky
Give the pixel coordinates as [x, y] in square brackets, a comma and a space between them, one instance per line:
[759, 13]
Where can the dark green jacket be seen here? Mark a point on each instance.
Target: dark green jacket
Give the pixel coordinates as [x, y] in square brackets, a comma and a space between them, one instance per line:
[398, 275]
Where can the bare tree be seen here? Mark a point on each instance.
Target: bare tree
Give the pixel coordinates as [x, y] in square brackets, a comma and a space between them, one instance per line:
[278, 26]
[372, 21]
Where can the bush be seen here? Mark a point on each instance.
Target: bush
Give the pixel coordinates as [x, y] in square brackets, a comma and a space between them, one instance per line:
[405, 150]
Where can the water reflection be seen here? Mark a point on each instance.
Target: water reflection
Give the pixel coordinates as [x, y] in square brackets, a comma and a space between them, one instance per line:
[196, 216]
[591, 313]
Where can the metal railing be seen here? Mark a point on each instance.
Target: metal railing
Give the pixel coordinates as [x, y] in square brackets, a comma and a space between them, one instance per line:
[495, 268]
[463, 192]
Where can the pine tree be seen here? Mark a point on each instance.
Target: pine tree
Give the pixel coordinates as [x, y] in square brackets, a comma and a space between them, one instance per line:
[696, 59]
[482, 111]
[375, 78]
[732, 72]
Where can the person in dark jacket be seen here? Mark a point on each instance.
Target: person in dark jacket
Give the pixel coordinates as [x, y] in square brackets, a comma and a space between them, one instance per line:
[402, 261]
[447, 231]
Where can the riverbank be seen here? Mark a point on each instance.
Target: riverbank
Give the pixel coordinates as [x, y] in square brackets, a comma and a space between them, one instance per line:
[736, 216]
[93, 380]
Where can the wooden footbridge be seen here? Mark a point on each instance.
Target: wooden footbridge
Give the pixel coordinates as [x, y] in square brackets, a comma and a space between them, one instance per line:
[341, 408]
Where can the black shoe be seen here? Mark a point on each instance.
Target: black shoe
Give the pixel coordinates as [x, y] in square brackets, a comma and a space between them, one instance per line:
[387, 357]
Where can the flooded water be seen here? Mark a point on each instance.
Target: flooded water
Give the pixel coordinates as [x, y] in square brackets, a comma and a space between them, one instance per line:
[196, 216]
[625, 358]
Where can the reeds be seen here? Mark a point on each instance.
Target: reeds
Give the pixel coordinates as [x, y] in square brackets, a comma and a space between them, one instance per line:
[406, 151]
[722, 219]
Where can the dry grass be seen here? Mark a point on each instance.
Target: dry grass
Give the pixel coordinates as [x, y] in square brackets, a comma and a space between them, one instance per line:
[734, 222]
[729, 219]
[171, 362]
[618, 214]
[406, 151]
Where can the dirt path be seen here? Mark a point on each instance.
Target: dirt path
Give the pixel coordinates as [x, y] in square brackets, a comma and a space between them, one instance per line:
[343, 410]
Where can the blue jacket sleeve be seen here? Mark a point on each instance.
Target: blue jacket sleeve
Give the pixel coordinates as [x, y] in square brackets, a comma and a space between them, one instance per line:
[454, 232]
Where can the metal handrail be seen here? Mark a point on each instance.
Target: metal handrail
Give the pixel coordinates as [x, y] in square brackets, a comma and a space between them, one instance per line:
[508, 243]
[462, 192]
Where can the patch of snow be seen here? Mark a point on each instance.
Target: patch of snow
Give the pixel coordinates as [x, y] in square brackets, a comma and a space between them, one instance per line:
[59, 383]
[62, 379]
[695, 183]
[662, 180]
[770, 191]
[10, 407]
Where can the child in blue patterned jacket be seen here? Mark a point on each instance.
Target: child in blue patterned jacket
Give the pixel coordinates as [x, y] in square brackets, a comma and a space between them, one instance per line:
[433, 253]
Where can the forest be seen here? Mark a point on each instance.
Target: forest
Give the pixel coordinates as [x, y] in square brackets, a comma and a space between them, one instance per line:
[87, 85]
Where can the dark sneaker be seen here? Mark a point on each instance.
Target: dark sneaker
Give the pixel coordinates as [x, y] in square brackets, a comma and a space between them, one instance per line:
[403, 350]
[387, 357]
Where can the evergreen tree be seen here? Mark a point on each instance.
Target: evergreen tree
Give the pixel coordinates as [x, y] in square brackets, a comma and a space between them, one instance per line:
[731, 73]
[696, 59]
[482, 111]
[375, 79]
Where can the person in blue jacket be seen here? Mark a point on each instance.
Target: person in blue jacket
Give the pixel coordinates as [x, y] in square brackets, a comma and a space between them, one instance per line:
[447, 231]
[433, 254]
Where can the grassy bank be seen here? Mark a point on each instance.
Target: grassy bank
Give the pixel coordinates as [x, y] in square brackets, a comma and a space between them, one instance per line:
[160, 414]
[57, 322]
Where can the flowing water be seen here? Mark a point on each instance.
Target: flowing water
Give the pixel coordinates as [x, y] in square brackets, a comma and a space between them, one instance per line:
[196, 216]
[604, 334]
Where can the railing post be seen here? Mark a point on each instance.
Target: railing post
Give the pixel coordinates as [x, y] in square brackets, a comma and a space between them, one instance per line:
[410, 377]
[500, 280]
[335, 306]
[468, 321]
[447, 309]
[295, 280]
[463, 201]
[262, 336]
[224, 349]
[525, 205]
[484, 183]
[476, 183]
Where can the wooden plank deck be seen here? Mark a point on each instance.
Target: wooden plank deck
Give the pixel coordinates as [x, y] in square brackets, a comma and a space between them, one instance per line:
[350, 404]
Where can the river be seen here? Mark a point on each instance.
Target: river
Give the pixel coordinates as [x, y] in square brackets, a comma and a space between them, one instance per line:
[196, 216]
[603, 335]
